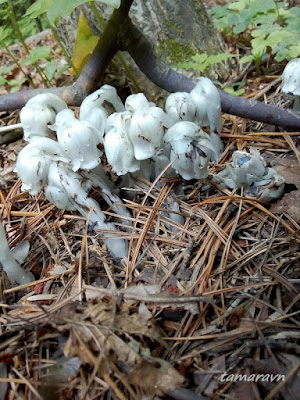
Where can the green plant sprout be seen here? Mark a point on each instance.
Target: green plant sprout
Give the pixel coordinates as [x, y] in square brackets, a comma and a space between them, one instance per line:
[19, 33]
[268, 27]
[202, 61]
[55, 9]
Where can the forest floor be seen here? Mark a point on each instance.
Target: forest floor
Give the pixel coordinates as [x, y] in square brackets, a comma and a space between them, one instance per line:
[91, 328]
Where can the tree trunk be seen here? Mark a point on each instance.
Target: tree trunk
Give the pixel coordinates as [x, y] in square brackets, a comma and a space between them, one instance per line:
[176, 29]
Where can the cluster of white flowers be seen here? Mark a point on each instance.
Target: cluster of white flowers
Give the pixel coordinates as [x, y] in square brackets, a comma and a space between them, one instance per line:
[249, 171]
[135, 138]
[63, 157]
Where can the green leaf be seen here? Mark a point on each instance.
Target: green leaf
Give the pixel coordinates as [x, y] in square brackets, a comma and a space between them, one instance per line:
[233, 19]
[61, 8]
[202, 61]
[200, 57]
[258, 47]
[4, 70]
[37, 53]
[50, 69]
[84, 44]
[231, 90]
[238, 5]
[15, 84]
[63, 69]
[2, 80]
[220, 11]
[3, 33]
[277, 37]
[246, 59]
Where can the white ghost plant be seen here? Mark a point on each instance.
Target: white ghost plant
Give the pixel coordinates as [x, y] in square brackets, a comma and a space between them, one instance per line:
[93, 111]
[40, 112]
[191, 147]
[207, 101]
[291, 81]
[11, 260]
[180, 107]
[146, 131]
[33, 163]
[249, 171]
[78, 140]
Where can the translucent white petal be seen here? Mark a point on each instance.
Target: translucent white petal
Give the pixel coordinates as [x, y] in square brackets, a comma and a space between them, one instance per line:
[38, 113]
[180, 107]
[192, 147]
[33, 163]
[146, 131]
[96, 99]
[291, 77]
[119, 152]
[78, 141]
[137, 102]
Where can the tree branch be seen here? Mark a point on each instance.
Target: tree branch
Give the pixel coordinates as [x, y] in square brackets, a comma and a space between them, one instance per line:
[92, 73]
[163, 76]
[121, 34]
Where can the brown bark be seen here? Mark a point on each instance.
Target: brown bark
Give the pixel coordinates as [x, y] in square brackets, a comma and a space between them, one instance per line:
[175, 29]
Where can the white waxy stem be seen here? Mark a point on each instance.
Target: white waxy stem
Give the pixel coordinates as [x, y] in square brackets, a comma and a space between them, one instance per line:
[11, 260]
[161, 161]
[78, 141]
[207, 100]
[66, 187]
[172, 205]
[180, 107]
[111, 199]
[33, 163]
[146, 131]
[38, 113]
[192, 149]
[291, 81]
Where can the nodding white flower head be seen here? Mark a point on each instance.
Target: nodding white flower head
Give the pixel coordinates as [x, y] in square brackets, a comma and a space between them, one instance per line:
[119, 152]
[33, 163]
[192, 147]
[118, 120]
[78, 140]
[207, 101]
[92, 110]
[146, 131]
[38, 113]
[118, 147]
[247, 168]
[136, 102]
[249, 171]
[291, 81]
[180, 107]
